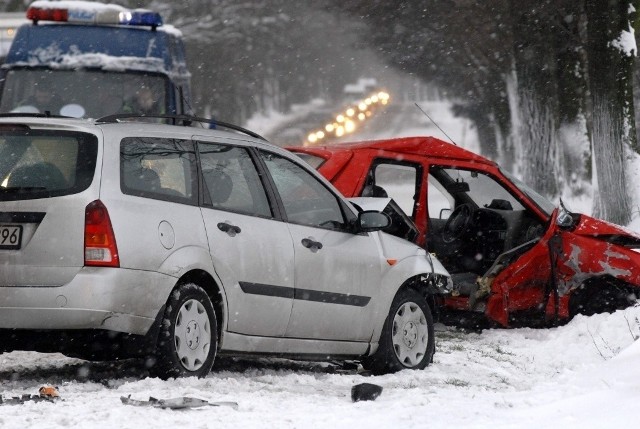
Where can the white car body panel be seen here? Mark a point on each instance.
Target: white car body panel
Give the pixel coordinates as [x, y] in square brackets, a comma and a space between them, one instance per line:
[274, 295]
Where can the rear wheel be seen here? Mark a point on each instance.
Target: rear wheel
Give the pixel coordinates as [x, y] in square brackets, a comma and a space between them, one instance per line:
[407, 340]
[601, 295]
[188, 337]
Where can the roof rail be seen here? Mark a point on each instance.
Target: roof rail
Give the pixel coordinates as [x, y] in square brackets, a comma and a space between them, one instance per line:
[46, 114]
[184, 120]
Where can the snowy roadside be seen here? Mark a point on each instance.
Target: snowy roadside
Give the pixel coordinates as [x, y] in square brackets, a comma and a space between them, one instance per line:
[582, 375]
[572, 376]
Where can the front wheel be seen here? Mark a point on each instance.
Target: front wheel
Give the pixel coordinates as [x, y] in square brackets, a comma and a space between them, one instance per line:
[188, 336]
[407, 340]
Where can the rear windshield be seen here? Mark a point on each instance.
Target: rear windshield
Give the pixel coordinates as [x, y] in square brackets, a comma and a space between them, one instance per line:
[44, 164]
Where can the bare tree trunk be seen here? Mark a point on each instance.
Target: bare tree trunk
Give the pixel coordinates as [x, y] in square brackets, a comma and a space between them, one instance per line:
[610, 80]
[537, 150]
[508, 147]
[612, 201]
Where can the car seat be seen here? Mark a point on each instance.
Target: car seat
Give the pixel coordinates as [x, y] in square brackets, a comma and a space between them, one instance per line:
[143, 179]
[41, 175]
[219, 185]
[374, 191]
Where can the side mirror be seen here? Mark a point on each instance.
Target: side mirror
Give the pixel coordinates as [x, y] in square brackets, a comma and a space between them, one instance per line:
[445, 213]
[566, 219]
[372, 220]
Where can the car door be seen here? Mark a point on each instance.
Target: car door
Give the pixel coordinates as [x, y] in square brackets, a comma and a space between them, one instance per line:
[252, 252]
[504, 242]
[337, 272]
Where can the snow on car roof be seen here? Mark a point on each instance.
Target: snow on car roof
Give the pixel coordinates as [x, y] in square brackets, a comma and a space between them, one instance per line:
[98, 60]
[84, 5]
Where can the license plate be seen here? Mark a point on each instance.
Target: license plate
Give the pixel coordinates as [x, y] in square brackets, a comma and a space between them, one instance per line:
[10, 236]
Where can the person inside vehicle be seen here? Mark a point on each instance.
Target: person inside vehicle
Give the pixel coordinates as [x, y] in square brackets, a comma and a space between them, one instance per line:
[44, 100]
[144, 102]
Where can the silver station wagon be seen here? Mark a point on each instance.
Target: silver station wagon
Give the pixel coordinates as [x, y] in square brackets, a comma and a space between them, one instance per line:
[124, 237]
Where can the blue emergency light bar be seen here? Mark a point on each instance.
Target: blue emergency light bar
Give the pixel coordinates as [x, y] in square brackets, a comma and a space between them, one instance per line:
[148, 18]
[91, 13]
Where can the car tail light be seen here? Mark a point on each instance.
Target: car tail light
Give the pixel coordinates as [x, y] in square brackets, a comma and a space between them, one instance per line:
[99, 240]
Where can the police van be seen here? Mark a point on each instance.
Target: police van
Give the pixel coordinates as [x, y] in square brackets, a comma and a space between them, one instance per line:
[87, 59]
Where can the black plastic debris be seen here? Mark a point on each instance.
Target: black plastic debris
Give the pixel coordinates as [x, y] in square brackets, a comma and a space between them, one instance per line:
[365, 392]
[176, 403]
[19, 400]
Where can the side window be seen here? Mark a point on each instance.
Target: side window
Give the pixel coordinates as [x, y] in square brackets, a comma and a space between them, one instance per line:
[306, 200]
[450, 186]
[440, 204]
[484, 190]
[394, 180]
[313, 160]
[231, 180]
[163, 169]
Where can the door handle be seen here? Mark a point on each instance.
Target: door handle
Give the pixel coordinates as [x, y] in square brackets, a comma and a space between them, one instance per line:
[229, 229]
[311, 244]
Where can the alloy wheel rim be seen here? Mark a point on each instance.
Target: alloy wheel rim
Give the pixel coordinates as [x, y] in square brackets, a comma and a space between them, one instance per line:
[192, 335]
[410, 334]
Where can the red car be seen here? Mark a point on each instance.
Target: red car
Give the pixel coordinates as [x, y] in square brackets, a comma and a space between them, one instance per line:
[514, 257]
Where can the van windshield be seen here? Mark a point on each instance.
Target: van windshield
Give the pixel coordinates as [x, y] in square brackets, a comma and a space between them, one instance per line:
[83, 93]
[43, 164]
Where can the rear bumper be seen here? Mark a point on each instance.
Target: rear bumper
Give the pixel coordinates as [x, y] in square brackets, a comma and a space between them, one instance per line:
[113, 299]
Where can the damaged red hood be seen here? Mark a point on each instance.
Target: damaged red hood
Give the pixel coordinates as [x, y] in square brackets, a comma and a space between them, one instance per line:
[593, 227]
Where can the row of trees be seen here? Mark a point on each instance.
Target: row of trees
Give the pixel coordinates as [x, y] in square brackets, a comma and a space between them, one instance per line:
[248, 56]
[547, 82]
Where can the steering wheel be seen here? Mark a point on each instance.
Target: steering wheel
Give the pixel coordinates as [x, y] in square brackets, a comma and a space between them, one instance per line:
[457, 223]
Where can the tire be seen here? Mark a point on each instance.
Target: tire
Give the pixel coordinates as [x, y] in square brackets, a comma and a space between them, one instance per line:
[407, 340]
[188, 336]
[600, 296]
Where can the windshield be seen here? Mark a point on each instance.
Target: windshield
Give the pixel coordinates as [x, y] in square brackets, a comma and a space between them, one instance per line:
[547, 206]
[92, 93]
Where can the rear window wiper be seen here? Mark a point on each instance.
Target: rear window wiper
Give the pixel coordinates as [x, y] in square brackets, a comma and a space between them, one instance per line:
[18, 189]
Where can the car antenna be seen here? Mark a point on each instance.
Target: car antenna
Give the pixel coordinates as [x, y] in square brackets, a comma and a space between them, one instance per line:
[564, 207]
[434, 123]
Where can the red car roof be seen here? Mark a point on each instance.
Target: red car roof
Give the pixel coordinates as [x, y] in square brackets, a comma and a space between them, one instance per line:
[425, 146]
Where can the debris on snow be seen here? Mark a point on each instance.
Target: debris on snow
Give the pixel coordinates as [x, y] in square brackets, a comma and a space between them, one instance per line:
[49, 391]
[176, 403]
[365, 392]
[46, 393]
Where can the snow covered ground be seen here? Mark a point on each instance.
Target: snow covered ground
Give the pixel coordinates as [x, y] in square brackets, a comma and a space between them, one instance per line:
[582, 375]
